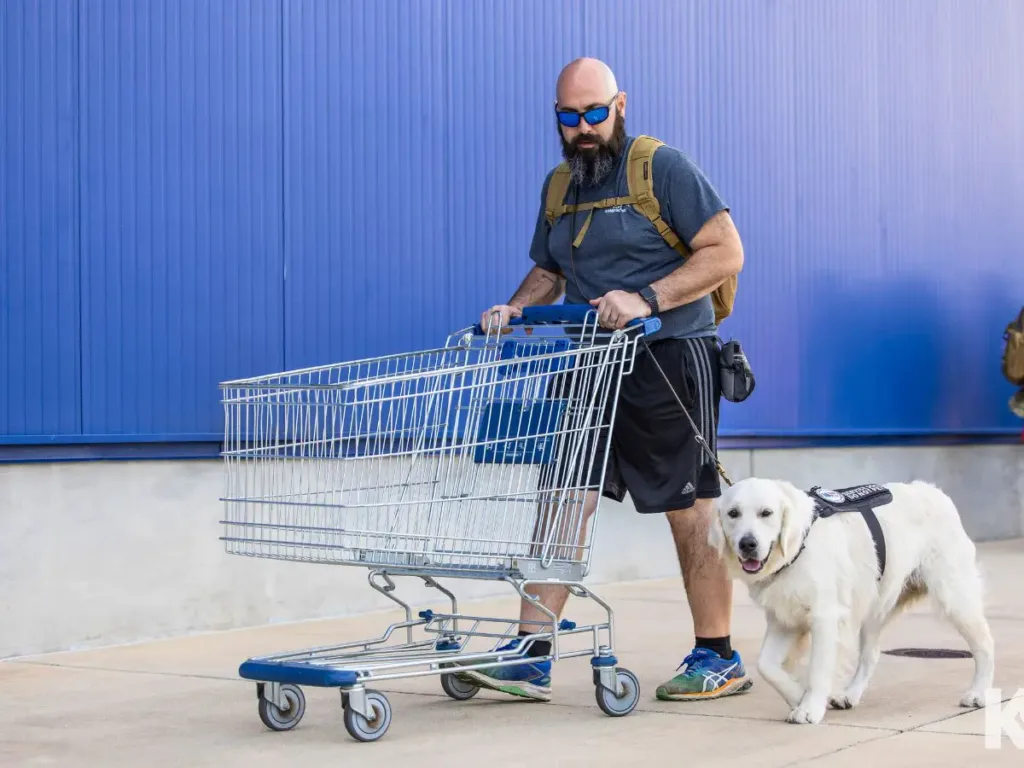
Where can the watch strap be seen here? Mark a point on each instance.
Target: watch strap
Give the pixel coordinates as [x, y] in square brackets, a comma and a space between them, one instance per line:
[647, 294]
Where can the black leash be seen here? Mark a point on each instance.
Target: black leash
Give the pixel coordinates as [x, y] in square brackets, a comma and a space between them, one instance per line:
[696, 432]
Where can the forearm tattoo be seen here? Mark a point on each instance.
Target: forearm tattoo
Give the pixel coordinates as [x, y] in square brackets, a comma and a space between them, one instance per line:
[539, 287]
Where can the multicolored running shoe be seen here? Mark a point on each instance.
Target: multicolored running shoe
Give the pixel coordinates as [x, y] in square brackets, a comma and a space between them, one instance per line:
[706, 675]
[530, 679]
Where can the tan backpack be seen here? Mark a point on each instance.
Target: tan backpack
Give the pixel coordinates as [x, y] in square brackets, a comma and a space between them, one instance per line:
[641, 196]
[1013, 351]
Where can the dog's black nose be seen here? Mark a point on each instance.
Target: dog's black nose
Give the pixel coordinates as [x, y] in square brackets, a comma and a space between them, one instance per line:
[748, 546]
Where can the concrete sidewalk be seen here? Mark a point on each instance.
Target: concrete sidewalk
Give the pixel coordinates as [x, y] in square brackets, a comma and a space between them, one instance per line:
[180, 703]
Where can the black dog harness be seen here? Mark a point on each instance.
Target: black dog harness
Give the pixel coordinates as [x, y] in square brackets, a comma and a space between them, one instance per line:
[858, 498]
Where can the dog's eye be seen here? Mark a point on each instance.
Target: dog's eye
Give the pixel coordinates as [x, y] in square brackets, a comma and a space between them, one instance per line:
[734, 513]
[766, 513]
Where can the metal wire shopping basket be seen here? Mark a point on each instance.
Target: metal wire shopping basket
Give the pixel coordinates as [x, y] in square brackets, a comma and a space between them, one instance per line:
[473, 460]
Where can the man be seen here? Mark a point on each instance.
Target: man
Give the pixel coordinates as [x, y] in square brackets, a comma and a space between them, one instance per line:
[1013, 361]
[654, 454]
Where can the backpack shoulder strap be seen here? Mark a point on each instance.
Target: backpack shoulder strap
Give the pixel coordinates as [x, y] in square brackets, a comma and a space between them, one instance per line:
[640, 178]
[554, 202]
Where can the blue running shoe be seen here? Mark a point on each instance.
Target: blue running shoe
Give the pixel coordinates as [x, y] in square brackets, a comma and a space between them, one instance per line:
[531, 679]
[706, 675]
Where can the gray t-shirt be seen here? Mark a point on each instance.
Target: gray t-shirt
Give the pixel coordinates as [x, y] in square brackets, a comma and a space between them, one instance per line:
[622, 250]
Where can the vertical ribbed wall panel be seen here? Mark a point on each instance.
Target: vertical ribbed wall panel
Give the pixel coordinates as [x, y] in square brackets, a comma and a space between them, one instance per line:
[502, 138]
[365, 193]
[982, 231]
[181, 209]
[921, 340]
[840, 302]
[39, 300]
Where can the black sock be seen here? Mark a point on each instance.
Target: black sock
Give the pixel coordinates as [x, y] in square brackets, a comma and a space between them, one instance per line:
[720, 645]
[538, 647]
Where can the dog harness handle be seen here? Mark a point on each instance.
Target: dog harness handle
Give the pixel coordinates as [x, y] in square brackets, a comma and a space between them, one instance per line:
[859, 498]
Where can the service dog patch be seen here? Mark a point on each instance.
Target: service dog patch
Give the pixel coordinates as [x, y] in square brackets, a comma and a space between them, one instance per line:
[832, 497]
[854, 497]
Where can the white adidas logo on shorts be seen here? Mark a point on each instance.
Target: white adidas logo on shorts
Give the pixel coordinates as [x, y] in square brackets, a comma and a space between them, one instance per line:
[688, 488]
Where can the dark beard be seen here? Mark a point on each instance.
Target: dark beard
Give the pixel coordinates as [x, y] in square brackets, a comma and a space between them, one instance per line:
[590, 167]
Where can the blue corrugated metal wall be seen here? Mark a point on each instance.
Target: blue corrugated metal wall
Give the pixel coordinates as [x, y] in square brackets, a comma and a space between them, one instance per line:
[181, 225]
[40, 272]
[192, 190]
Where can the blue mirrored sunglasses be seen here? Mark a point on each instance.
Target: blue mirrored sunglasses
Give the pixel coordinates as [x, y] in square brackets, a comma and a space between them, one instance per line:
[570, 118]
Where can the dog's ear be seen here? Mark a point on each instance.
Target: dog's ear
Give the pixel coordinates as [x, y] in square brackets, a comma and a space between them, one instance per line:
[716, 534]
[794, 521]
[791, 533]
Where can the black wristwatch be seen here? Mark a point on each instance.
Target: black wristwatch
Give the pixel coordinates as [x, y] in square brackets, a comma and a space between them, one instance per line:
[647, 294]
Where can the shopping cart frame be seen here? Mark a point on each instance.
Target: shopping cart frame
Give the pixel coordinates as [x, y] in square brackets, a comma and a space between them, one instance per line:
[441, 645]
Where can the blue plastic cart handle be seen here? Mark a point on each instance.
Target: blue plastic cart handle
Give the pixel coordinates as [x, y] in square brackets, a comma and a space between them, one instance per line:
[572, 314]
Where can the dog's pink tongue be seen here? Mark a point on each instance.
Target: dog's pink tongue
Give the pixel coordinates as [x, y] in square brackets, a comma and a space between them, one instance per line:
[750, 566]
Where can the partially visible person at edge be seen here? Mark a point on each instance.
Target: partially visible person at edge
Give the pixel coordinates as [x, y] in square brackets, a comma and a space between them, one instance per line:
[654, 455]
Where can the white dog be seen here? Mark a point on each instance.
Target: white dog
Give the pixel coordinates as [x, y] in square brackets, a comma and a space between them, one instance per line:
[820, 576]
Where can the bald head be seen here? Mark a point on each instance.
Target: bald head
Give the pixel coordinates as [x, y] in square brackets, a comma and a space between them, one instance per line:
[585, 81]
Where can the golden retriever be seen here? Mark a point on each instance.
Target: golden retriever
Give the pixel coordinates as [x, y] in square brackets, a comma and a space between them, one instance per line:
[819, 576]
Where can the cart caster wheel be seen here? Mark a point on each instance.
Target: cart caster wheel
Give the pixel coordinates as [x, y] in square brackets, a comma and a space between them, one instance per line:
[616, 706]
[457, 688]
[361, 729]
[284, 719]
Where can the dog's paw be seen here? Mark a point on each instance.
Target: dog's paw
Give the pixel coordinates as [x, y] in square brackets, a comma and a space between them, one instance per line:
[973, 699]
[802, 716]
[842, 701]
[848, 699]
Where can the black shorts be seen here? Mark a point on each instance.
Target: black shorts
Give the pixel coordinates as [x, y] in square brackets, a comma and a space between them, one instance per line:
[654, 456]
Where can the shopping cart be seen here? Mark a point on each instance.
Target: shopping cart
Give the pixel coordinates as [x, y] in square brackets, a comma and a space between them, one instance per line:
[470, 461]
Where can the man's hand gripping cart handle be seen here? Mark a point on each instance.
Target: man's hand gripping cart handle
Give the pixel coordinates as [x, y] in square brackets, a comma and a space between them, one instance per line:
[573, 314]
